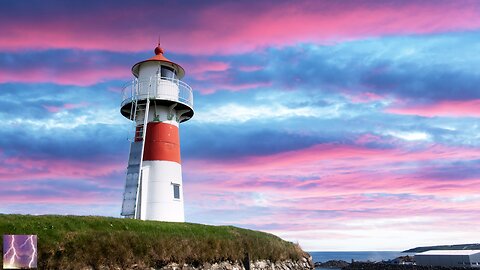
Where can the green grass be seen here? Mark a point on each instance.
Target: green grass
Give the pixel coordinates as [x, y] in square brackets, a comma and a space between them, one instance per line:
[73, 242]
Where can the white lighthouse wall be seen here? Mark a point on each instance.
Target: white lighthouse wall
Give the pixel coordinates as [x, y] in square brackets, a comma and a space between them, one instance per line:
[158, 202]
[142, 199]
[164, 114]
[151, 84]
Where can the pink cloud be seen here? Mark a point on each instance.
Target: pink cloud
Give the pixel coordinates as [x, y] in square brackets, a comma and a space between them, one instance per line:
[469, 108]
[77, 76]
[79, 182]
[328, 170]
[75, 197]
[250, 68]
[367, 138]
[66, 106]
[198, 68]
[231, 27]
[355, 196]
[341, 155]
[364, 97]
[17, 168]
[352, 206]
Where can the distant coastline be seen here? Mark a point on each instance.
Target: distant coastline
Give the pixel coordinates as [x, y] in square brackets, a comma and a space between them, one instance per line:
[475, 246]
[381, 260]
[358, 256]
[381, 266]
[378, 256]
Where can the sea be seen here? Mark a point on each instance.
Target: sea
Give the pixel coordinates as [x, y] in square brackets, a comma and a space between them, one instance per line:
[348, 256]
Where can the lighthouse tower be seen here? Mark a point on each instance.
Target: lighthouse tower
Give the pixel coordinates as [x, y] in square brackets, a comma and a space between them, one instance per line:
[156, 101]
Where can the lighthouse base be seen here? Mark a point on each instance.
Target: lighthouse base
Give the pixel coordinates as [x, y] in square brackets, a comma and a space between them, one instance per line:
[161, 195]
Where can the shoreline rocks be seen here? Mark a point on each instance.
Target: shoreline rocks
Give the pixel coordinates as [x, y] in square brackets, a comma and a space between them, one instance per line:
[254, 265]
[302, 264]
[332, 264]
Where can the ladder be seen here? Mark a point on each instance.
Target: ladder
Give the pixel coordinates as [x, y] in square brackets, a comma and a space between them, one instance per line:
[132, 195]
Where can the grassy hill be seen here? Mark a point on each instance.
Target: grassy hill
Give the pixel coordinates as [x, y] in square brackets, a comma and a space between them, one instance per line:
[74, 242]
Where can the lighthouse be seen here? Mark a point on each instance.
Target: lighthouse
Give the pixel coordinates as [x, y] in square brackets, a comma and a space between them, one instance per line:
[156, 101]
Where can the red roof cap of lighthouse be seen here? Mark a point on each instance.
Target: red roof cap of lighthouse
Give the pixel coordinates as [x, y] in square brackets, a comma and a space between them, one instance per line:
[159, 58]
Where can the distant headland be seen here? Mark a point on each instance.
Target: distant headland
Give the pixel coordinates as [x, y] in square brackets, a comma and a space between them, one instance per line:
[444, 247]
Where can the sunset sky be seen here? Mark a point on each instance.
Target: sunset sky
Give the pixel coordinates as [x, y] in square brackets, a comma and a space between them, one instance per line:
[340, 125]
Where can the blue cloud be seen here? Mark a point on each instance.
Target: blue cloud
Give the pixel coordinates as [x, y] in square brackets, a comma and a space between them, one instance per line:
[457, 170]
[83, 133]
[429, 68]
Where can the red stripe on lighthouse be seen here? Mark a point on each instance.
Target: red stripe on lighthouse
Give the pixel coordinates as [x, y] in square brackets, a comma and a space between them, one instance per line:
[162, 142]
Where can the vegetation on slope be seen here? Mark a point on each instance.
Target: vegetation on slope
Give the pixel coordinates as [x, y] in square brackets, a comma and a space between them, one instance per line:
[73, 242]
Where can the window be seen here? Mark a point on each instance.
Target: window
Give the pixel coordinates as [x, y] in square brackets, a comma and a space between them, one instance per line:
[168, 72]
[176, 191]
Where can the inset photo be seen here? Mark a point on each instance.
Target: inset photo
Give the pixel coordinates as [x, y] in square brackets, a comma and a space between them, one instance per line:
[19, 251]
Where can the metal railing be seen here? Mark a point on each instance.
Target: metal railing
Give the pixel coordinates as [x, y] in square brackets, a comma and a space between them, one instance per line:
[158, 88]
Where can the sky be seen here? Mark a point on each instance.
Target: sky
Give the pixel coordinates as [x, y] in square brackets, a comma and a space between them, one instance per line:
[338, 125]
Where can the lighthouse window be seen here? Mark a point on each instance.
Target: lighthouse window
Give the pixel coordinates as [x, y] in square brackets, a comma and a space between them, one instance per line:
[168, 72]
[176, 191]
